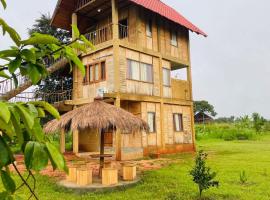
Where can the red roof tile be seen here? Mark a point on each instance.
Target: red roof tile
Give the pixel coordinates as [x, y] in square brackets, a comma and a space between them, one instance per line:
[166, 11]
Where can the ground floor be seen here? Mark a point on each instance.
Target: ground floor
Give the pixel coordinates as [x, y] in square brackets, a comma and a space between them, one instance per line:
[171, 131]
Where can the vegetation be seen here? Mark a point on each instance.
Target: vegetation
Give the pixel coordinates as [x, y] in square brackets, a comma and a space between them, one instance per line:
[243, 177]
[20, 122]
[204, 107]
[60, 80]
[227, 158]
[202, 175]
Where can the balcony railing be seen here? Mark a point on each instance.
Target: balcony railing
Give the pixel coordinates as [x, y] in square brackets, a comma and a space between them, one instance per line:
[123, 31]
[101, 35]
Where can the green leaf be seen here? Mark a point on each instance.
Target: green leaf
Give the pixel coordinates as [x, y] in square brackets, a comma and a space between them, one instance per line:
[9, 53]
[4, 4]
[87, 42]
[17, 128]
[4, 112]
[41, 113]
[33, 73]
[14, 65]
[47, 107]
[6, 157]
[15, 80]
[75, 31]
[74, 58]
[8, 182]
[37, 131]
[38, 39]
[26, 116]
[7, 128]
[56, 158]
[4, 75]
[33, 109]
[36, 156]
[12, 33]
[28, 55]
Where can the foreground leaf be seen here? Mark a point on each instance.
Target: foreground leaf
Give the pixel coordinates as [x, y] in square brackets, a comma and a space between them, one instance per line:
[56, 157]
[4, 112]
[6, 157]
[4, 4]
[8, 182]
[47, 107]
[38, 39]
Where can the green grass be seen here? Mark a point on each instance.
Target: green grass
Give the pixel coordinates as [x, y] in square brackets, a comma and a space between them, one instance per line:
[173, 182]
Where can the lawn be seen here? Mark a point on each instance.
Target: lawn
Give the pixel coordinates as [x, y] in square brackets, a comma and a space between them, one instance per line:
[173, 182]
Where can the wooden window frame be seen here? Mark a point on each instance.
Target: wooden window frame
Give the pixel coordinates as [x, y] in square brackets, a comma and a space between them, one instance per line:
[180, 122]
[170, 84]
[155, 123]
[130, 78]
[93, 65]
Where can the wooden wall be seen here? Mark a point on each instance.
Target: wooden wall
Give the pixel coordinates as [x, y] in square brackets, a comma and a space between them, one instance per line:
[172, 137]
[89, 141]
[90, 90]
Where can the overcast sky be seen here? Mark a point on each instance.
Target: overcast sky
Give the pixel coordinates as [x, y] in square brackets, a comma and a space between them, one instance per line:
[230, 68]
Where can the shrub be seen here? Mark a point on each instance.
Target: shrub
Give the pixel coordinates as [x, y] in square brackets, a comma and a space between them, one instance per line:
[243, 177]
[202, 174]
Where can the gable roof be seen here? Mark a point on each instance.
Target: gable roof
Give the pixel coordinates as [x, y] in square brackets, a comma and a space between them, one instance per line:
[168, 12]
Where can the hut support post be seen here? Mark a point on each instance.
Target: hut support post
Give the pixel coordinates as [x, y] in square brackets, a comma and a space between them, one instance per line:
[76, 141]
[62, 141]
[101, 161]
[118, 137]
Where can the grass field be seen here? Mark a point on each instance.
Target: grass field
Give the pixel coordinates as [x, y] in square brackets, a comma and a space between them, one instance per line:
[228, 158]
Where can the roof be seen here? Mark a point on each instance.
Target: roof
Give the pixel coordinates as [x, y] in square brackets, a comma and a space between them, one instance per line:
[168, 12]
[98, 115]
[65, 8]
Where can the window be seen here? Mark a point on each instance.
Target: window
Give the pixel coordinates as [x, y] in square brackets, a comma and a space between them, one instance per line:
[95, 72]
[103, 71]
[149, 28]
[91, 73]
[123, 28]
[133, 70]
[151, 119]
[178, 122]
[174, 38]
[166, 77]
[140, 71]
[146, 72]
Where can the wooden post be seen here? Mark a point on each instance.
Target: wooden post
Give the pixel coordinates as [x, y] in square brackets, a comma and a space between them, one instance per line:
[116, 47]
[62, 141]
[76, 141]
[189, 77]
[101, 159]
[118, 136]
[109, 176]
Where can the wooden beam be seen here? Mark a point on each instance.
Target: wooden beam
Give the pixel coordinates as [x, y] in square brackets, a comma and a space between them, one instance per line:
[76, 141]
[62, 141]
[118, 136]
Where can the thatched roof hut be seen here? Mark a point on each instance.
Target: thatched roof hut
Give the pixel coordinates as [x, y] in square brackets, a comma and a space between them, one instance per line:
[98, 115]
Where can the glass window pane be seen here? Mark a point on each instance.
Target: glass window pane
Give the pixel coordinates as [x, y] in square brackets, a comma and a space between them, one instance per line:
[166, 77]
[174, 38]
[149, 28]
[151, 122]
[97, 72]
[91, 73]
[103, 71]
[133, 70]
[178, 122]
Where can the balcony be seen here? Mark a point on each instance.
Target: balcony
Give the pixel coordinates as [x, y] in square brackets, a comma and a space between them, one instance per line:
[180, 89]
[104, 34]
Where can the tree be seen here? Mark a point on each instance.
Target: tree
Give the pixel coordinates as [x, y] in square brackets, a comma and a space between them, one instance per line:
[60, 80]
[21, 121]
[204, 107]
[258, 122]
[202, 174]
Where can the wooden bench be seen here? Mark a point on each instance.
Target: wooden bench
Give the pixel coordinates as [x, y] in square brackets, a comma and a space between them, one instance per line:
[84, 177]
[109, 176]
[129, 172]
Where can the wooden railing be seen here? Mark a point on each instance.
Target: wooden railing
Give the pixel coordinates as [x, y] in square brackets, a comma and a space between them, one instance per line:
[101, 35]
[123, 31]
[8, 85]
[52, 98]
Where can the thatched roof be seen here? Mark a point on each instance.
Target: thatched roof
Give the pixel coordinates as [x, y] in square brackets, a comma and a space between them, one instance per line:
[98, 115]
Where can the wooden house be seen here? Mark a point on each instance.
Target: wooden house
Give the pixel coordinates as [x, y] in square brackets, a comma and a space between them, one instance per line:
[139, 46]
[202, 118]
